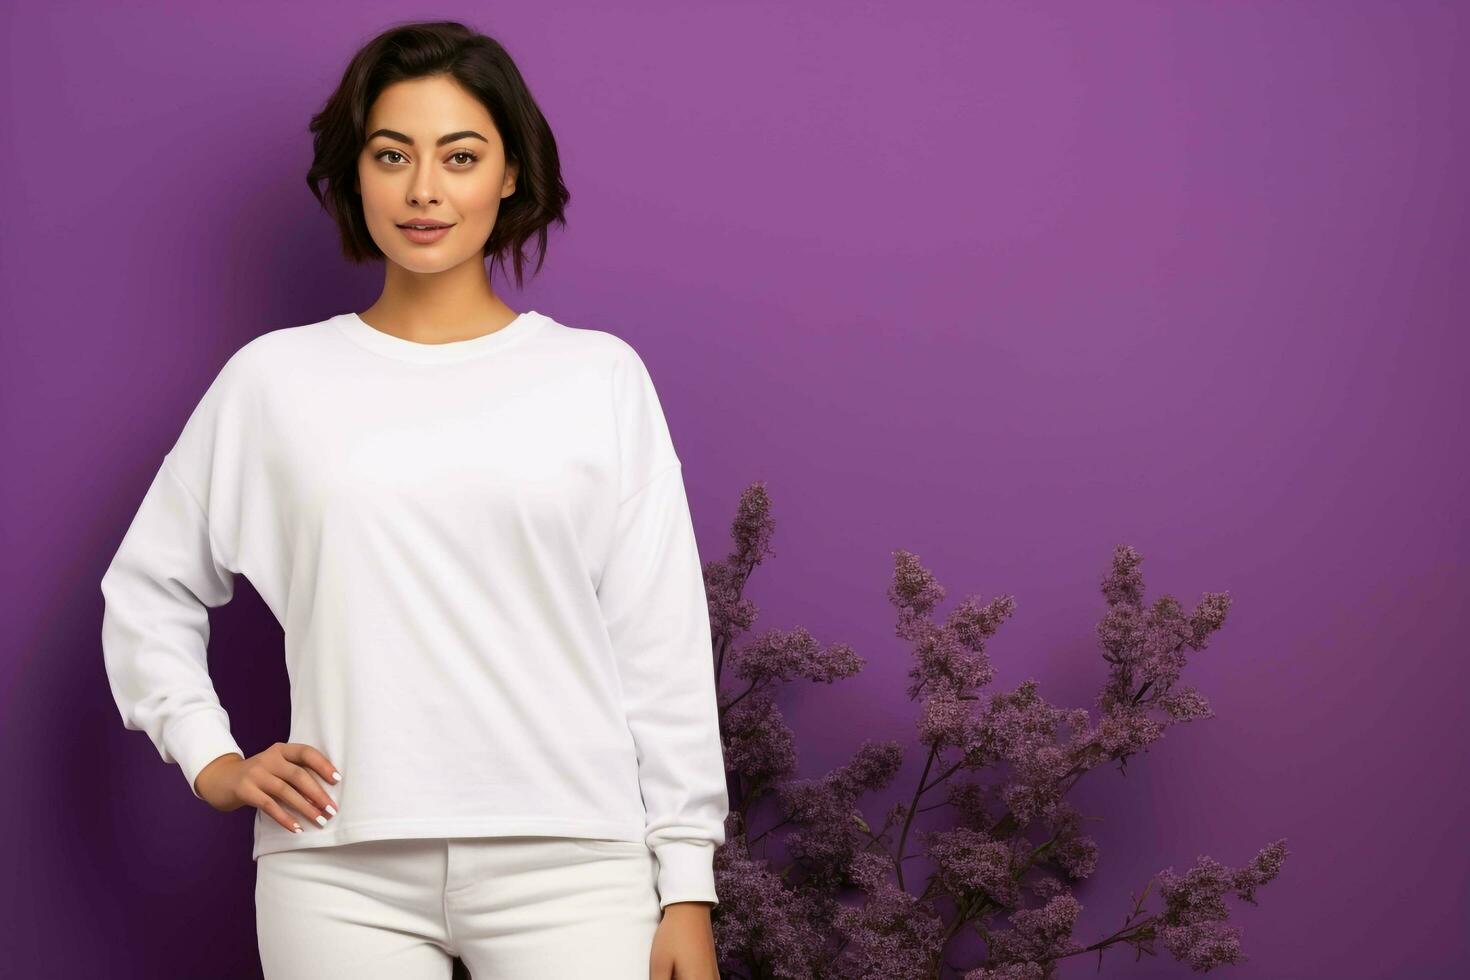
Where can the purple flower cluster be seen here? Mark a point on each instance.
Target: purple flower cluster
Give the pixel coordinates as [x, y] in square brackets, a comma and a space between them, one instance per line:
[834, 903]
[1193, 926]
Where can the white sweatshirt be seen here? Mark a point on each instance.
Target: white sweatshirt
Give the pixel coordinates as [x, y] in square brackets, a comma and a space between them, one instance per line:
[483, 559]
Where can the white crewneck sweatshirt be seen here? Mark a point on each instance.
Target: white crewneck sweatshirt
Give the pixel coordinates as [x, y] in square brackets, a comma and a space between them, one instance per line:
[484, 562]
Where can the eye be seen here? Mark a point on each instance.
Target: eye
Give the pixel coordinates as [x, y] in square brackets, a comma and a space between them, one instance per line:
[385, 154]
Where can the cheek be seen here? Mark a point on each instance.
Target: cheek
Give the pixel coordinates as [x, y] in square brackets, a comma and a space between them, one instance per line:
[481, 200]
[378, 199]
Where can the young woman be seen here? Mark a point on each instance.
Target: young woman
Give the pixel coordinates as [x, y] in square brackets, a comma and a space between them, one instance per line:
[472, 526]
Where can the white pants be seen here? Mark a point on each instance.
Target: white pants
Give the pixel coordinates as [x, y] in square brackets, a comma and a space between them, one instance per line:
[513, 908]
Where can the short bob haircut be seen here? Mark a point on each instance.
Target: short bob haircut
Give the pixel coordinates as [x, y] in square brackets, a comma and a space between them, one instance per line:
[482, 66]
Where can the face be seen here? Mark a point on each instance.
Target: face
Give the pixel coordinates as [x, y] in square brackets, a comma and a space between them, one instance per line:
[432, 154]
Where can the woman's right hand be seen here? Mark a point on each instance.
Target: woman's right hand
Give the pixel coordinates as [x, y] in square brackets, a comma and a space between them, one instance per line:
[281, 776]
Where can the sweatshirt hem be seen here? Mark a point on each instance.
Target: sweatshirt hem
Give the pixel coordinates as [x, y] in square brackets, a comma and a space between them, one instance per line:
[435, 827]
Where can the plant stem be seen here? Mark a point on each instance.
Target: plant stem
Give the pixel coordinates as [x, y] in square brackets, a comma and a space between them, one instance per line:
[752, 840]
[909, 817]
[1126, 932]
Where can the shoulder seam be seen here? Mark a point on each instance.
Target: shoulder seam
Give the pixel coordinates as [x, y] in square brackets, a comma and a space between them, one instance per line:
[189, 492]
[658, 475]
[214, 547]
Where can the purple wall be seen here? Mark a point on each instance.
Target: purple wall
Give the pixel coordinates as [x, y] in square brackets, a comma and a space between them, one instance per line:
[1001, 284]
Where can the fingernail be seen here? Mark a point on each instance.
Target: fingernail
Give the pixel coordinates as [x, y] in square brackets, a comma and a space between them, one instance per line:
[331, 809]
[336, 776]
[321, 820]
[298, 828]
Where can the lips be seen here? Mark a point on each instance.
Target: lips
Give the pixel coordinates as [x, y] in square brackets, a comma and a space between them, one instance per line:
[425, 224]
[425, 236]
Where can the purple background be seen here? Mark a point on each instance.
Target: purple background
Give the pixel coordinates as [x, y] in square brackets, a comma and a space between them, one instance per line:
[1002, 284]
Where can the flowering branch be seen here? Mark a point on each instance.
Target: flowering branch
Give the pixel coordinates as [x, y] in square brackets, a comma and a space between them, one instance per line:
[1013, 891]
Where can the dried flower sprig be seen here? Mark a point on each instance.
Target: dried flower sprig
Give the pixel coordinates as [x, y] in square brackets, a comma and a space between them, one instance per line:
[1006, 864]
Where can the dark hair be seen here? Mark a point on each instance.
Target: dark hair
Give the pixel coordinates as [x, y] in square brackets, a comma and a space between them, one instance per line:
[482, 66]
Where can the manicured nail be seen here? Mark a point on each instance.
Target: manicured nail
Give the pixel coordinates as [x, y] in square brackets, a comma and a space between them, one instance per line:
[321, 820]
[336, 776]
[331, 809]
[298, 828]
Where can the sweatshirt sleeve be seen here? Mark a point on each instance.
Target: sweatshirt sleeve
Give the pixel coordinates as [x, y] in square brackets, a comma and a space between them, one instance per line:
[157, 591]
[653, 600]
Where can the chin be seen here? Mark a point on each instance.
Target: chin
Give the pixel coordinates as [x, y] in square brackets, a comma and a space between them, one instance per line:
[425, 268]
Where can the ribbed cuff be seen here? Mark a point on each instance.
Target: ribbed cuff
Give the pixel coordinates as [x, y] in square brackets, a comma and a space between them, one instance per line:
[686, 872]
[196, 740]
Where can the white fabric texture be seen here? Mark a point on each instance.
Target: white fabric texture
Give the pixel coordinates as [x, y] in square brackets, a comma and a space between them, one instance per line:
[517, 908]
[483, 560]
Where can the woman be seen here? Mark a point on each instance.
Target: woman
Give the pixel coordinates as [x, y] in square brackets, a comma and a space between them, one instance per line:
[472, 526]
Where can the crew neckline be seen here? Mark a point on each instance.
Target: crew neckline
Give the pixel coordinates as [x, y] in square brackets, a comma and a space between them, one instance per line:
[358, 330]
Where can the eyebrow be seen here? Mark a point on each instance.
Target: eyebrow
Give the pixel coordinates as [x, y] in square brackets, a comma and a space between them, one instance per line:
[447, 138]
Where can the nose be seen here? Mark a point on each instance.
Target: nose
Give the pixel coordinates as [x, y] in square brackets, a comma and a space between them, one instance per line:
[422, 188]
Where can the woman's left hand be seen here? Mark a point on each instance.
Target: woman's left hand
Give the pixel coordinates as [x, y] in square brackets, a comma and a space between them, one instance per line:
[684, 945]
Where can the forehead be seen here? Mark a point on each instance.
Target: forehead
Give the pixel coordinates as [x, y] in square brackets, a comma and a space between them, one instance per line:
[428, 107]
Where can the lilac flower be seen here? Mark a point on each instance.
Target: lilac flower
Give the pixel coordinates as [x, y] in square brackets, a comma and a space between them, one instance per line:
[782, 932]
[972, 864]
[758, 743]
[892, 935]
[1040, 935]
[1001, 762]
[1011, 971]
[831, 832]
[1069, 850]
[1193, 926]
[730, 613]
[974, 803]
[782, 655]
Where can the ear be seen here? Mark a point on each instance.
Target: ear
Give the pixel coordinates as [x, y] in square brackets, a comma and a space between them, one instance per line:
[511, 172]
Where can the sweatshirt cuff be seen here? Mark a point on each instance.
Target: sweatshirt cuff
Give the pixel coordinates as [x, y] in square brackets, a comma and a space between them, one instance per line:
[198, 739]
[686, 872]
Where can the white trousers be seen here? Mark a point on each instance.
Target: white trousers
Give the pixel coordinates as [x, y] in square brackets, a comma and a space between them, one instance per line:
[513, 908]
